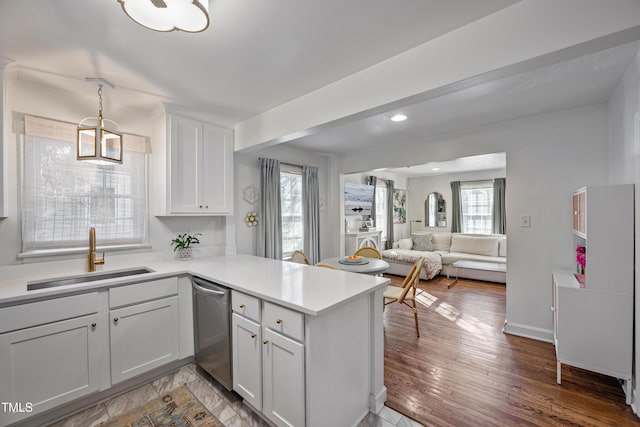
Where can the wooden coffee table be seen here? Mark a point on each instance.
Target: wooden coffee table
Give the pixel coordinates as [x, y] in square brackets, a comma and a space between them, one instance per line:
[474, 265]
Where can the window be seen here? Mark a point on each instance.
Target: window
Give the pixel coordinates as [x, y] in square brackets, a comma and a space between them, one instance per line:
[381, 208]
[477, 206]
[291, 209]
[63, 197]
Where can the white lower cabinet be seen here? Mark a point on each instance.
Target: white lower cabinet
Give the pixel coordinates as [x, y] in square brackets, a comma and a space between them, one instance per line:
[50, 364]
[268, 367]
[144, 336]
[55, 351]
[247, 360]
[283, 379]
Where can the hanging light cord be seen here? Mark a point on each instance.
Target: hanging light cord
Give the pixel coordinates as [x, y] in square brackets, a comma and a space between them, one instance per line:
[100, 102]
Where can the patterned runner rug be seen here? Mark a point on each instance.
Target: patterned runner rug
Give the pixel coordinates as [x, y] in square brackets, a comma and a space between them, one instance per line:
[177, 408]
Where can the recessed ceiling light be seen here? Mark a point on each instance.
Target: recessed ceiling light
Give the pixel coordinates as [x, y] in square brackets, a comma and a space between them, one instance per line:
[435, 169]
[399, 118]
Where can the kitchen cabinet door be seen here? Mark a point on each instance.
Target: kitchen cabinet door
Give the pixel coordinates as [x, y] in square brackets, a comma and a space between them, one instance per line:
[143, 337]
[247, 360]
[49, 365]
[217, 170]
[283, 380]
[185, 165]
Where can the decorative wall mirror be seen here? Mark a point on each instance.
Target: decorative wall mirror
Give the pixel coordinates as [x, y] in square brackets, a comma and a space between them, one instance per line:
[435, 211]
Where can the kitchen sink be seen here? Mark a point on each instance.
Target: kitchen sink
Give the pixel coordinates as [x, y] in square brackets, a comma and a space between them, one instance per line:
[84, 278]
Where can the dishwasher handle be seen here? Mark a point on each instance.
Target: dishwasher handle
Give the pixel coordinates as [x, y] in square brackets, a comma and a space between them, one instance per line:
[207, 291]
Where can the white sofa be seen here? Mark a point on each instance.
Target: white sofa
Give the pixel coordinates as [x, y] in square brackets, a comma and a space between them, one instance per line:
[446, 248]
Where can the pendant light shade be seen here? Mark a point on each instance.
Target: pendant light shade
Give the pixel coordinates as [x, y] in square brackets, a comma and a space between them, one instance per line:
[191, 16]
[96, 143]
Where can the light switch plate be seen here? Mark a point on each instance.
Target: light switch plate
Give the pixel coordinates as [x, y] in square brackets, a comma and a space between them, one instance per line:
[525, 221]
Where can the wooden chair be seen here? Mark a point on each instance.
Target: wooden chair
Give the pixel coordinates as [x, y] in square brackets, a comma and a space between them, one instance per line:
[300, 258]
[368, 252]
[325, 265]
[407, 291]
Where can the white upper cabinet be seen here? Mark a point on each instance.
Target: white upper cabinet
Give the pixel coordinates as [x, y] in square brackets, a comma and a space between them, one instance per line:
[193, 167]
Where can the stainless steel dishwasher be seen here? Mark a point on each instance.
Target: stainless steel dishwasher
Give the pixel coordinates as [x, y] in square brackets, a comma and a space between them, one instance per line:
[212, 328]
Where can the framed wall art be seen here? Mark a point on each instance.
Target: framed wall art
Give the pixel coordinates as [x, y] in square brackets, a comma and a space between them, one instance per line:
[399, 206]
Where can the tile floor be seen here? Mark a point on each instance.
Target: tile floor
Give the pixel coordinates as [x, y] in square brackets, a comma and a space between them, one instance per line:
[224, 405]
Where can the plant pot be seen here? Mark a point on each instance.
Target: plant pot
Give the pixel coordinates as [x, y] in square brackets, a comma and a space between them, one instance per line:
[184, 254]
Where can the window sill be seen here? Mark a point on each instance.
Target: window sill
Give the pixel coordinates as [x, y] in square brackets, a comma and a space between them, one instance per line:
[76, 251]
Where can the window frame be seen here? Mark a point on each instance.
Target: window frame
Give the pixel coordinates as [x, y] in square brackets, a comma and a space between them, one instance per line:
[78, 244]
[483, 185]
[381, 224]
[286, 169]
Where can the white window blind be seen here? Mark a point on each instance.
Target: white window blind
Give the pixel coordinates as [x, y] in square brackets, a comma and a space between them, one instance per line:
[291, 208]
[477, 206]
[63, 197]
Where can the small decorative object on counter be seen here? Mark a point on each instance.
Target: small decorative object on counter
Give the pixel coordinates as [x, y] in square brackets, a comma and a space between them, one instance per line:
[581, 258]
[252, 219]
[182, 245]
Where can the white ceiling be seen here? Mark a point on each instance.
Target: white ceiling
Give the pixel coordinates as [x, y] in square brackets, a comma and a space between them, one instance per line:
[255, 55]
[580, 81]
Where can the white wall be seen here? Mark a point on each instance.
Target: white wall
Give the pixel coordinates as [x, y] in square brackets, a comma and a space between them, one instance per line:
[247, 174]
[624, 134]
[42, 101]
[548, 157]
[421, 187]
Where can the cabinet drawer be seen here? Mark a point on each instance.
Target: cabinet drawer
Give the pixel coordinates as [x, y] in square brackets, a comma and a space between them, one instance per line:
[140, 292]
[246, 305]
[283, 320]
[38, 313]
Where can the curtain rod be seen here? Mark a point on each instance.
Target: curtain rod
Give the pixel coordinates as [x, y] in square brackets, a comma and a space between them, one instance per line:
[478, 180]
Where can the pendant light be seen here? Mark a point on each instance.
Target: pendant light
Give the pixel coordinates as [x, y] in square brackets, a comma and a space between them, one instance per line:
[191, 16]
[97, 144]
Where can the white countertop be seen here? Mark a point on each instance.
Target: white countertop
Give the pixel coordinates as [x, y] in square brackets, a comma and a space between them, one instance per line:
[308, 289]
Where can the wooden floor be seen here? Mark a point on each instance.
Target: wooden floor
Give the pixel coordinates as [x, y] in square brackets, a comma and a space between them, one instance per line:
[463, 371]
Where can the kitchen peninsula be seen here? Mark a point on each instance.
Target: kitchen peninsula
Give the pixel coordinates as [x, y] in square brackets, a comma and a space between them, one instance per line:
[61, 349]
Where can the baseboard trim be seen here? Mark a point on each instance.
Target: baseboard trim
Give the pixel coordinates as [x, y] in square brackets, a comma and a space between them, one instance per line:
[539, 334]
[376, 402]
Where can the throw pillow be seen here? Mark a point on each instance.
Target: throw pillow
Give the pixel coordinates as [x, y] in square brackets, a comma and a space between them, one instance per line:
[405, 244]
[441, 241]
[502, 250]
[421, 242]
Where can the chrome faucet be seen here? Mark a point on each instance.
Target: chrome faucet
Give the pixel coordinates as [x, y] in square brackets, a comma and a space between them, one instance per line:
[91, 258]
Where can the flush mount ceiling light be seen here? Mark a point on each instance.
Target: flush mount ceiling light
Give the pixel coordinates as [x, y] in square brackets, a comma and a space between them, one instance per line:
[399, 118]
[191, 16]
[96, 143]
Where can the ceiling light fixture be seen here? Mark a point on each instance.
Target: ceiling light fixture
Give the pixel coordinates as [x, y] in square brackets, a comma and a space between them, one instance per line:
[191, 16]
[399, 118]
[435, 169]
[95, 143]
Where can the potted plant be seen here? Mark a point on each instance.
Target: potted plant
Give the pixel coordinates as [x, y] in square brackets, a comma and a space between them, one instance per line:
[182, 244]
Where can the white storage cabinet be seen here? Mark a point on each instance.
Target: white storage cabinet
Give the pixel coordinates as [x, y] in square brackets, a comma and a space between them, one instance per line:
[268, 365]
[50, 353]
[593, 323]
[362, 239]
[193, 167]
[299, 369]
[145, 327]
